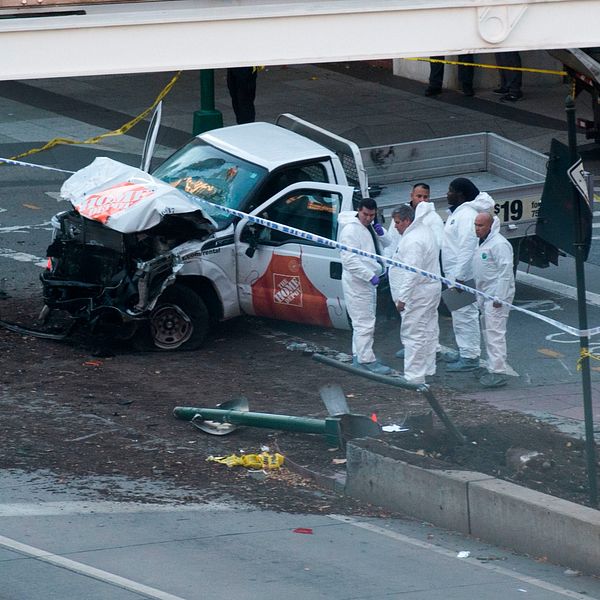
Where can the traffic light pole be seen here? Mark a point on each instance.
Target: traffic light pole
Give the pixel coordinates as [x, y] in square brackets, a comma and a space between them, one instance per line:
[590, 444]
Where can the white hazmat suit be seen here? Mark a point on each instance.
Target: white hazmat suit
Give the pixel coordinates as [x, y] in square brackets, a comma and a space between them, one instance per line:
[458, 248]
[419, 329]
[431, 219]
[359, 293]
[493, 270]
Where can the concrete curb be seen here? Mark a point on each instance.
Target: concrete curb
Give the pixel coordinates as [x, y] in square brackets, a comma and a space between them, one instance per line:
[493, 510]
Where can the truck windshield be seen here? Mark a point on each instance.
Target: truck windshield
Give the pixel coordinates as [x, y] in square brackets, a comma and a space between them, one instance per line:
[211, 174]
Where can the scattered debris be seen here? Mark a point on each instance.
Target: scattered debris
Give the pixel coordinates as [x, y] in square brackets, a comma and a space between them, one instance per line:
[264, 460]
[92, 363]
[518, 459]
[394, 428]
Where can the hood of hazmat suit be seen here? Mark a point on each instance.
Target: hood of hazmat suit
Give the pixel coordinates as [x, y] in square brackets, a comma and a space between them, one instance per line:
[416, 248]
[460, 242]
[352, 233]
[430, 218]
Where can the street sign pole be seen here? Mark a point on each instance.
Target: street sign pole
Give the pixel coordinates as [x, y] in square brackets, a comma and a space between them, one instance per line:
[590, 444]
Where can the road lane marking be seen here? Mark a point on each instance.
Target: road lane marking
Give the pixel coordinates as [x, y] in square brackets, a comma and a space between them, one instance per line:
[452, 554]
[82, 507]
[23, 257]
[86, 570]
[47, 225]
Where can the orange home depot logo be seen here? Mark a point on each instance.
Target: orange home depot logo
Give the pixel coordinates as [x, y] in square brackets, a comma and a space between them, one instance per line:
[118, 198]
[285, 292]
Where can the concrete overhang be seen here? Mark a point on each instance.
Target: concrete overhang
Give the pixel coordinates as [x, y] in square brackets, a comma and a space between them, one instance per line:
[92, 39]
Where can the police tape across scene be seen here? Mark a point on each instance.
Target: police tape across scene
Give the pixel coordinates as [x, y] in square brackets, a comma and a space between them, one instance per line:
[334, 244]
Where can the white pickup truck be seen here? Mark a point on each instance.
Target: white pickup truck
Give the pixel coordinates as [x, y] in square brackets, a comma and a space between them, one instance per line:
[161, 273]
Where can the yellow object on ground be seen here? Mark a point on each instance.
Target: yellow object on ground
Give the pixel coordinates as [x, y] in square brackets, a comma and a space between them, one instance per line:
[264, 460]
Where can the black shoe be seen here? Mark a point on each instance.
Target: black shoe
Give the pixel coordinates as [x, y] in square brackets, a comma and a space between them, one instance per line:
[511, 97]
[433, 91]
[468, 91]
[502, 91]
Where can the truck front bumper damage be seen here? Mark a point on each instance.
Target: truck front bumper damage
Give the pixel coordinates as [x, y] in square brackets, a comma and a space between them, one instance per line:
[128, 298]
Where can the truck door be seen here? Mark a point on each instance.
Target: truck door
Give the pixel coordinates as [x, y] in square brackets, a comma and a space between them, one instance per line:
[283, 276]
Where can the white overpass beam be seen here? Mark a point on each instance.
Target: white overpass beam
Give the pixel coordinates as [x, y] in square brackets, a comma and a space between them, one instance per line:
[198, 34]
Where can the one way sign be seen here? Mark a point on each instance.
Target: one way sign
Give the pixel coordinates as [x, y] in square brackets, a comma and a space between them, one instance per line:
[577, 176]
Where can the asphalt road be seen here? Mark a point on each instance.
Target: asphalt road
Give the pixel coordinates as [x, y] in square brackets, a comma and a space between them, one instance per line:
[58, 543]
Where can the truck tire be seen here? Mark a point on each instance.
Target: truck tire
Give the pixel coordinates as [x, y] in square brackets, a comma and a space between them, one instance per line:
[179, 321]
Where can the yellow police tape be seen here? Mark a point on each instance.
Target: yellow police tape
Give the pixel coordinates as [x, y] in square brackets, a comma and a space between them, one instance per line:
[123, 129]
[583, 354]
[264, 460]
[488, 66]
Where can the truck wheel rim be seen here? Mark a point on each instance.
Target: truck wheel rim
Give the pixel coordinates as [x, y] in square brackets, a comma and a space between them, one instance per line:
[170, 326]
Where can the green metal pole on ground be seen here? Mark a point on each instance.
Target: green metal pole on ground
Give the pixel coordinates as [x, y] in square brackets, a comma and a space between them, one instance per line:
[330, 428]
[590, 444]
[207, 117]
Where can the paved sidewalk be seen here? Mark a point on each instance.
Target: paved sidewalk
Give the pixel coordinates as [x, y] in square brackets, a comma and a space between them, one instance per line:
[560, 405]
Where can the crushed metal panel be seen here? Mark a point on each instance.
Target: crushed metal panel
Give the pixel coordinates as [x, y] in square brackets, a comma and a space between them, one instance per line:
[124, 198]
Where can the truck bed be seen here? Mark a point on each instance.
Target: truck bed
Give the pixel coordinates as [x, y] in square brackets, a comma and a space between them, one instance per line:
[511, 173]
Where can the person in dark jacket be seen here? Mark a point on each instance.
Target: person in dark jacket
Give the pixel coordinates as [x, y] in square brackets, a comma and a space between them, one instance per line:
[241, 83]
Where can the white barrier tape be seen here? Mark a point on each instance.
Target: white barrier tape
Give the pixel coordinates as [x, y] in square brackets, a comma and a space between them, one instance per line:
[389, 261]
[20, 163]
[332, 244]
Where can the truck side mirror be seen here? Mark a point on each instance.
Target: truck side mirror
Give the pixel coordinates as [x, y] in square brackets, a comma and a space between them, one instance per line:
[251, 250]
[251, 235]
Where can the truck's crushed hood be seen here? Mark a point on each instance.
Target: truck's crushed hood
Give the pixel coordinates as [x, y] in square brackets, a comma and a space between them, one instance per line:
[124, 198]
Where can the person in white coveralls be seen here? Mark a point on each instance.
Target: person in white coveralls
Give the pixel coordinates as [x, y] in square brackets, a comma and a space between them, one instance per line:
[417, 296]
[494, 275]
[421, 192]
[360, 277]
[458, 248]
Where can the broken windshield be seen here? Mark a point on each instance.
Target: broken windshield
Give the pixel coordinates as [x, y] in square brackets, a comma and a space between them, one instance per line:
[211, 174]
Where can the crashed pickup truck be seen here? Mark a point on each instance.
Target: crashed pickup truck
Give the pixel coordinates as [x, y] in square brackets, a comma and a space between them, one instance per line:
[157, 258]
[140, 255]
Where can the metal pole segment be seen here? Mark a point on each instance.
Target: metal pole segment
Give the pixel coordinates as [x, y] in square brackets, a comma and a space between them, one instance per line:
[590, 444]
[255, 419]
[397, 382]
[207, 117]
[329, 427]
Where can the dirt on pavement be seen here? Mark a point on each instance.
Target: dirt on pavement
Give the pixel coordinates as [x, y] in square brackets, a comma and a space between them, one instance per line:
[81, 408]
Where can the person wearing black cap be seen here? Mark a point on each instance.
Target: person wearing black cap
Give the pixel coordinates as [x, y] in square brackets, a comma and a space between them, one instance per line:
[459, 244]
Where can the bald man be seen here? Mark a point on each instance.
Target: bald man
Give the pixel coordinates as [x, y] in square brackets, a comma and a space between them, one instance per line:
[493, 274]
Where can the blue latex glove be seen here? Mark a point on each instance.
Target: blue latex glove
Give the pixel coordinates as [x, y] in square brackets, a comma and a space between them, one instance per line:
[374, 280]
[378, 229]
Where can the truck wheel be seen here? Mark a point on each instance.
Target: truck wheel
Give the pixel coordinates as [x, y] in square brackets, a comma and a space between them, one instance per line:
[179, 321]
